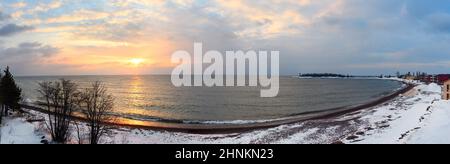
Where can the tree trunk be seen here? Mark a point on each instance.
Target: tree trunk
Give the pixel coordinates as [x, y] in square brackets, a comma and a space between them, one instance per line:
[1, 113]
[5, 109]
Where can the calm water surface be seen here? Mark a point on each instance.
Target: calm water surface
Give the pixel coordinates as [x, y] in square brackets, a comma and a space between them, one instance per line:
[154, 98]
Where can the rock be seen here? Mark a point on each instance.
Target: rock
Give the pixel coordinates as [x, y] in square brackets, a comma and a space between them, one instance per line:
[338, 143]
[351, 137]
[384, 126]
[45, 142]
[360, 133]
[369, 128]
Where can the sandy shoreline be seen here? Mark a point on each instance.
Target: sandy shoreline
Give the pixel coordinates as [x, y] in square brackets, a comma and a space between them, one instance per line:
[239, 128]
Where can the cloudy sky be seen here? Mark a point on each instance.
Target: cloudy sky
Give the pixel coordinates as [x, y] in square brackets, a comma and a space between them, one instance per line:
[54, 37]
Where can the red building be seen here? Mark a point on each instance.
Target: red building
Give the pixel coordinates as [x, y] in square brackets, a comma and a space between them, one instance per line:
[440, 79]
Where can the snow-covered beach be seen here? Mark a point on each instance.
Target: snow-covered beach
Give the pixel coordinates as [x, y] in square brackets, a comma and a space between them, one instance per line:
[418, 116]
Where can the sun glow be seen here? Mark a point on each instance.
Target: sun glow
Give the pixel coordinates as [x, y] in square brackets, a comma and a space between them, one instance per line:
[136, 61]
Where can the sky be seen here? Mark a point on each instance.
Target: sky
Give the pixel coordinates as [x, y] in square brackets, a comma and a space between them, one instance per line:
[91, 37]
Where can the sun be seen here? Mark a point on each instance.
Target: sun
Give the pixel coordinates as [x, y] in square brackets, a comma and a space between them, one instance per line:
[136, 61]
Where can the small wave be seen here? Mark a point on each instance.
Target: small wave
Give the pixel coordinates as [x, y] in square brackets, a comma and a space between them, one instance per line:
[181, 121]
[232, 122]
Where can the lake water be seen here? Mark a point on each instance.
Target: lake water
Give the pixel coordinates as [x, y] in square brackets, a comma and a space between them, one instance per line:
[154, 98]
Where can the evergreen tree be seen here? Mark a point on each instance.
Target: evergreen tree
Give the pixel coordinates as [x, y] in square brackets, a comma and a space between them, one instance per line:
[10, 93]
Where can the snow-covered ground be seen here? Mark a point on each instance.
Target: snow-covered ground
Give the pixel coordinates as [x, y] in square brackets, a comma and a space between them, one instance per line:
[16, 130]
[438, 123]
[401, 120]
[418, 116]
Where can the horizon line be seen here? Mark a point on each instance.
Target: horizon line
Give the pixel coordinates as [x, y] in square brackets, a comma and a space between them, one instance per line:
[161, 74]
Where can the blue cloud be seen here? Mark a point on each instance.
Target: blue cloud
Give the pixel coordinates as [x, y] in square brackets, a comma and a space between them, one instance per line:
[3, 16]
[439, 22]
[11, 29]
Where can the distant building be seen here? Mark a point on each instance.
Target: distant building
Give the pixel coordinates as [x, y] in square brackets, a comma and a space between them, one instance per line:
[410, 77]
[446, 90]
[442, 78]
[427, 79]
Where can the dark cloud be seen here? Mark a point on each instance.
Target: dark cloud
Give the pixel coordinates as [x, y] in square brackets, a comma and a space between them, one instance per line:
[11, 29]
[28, 50]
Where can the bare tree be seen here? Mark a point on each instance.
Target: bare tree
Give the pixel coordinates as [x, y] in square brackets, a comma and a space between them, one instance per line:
[96, 105]
[81, 135]
[60, 100]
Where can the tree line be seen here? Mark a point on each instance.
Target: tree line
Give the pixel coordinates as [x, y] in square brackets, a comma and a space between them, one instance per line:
[324, 75]
[71, 110]
[10, 94]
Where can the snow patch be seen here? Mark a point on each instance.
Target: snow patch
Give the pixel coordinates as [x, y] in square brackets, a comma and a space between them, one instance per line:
[433, 87]
[18, 131]
[437, 128]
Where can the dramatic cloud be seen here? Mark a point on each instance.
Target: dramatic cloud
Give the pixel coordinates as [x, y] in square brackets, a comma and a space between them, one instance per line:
[27, 50]
[342, 36]
[11, 29]
[19, 5]
[44, 7]
[78, 16]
